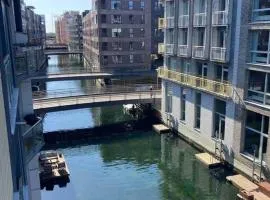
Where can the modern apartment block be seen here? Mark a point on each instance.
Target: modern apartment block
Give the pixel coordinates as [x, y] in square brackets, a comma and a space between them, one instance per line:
[19, 140]
[117, 34]
[215, 78]
[68, 28]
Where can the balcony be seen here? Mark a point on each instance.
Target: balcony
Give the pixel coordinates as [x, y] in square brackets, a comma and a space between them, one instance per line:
[182, 50]
[218, 54]
[33, 140]
[199, 20]
[220, 18]
[169, 49]
[183, 21]
[261, 14]
[169, 22]
[161, 23]
[161, 48]
[198, 51]
[213, 87]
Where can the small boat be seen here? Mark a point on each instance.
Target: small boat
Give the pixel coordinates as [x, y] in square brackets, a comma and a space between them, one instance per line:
[52, 165]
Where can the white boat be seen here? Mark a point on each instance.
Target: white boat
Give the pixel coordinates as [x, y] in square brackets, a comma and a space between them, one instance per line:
[52, 165]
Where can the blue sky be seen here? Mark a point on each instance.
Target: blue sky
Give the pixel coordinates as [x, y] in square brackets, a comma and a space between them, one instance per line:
[53, 8]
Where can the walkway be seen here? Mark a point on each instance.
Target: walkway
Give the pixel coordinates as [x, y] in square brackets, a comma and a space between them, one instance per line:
[93, 97]
[61, 52]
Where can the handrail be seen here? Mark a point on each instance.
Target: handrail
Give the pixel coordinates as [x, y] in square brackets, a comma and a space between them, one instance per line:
[218, 88]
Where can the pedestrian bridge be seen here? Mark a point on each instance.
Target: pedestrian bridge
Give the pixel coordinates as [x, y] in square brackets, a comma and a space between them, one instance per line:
[61, 52]
[50, 101]
[79, 74]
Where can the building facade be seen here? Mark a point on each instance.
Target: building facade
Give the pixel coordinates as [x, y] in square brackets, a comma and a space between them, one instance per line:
[215, 76]
[68, 28]
[117, 34]
[19, 141]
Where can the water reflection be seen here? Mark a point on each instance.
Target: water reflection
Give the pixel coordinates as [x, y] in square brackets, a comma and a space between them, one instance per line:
[140, 166]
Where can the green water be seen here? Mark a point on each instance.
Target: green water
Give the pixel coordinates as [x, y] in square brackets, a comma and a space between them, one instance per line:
[138, 166]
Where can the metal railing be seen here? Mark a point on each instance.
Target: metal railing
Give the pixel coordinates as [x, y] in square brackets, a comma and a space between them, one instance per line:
[161, 23]
[218, 54]
[218, 88]
[198, 51]
[182, 50]
[169, 22]
[33, 141]
[138, 96]
[220, 18]
[199, 19]
[183, 21]
[260, 57]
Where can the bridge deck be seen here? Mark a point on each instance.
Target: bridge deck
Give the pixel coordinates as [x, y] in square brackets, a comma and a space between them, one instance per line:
[76, 102]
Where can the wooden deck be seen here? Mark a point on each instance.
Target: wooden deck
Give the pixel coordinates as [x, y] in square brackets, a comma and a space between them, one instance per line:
[242, 183]
[160, 128]
[207, 159]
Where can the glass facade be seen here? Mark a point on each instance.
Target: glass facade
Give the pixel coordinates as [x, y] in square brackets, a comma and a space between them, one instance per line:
[261, 10]
[198, 99]
[219, 119]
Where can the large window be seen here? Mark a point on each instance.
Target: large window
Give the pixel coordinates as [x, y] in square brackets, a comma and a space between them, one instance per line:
[198, 99]
[183, 105]
[115, 4]
[130, 5]
[256, 134]
[221, 73]
[260, 47]
[116, 32]
[261, 10]
[168, 99]
[259, 87]
[219, 119]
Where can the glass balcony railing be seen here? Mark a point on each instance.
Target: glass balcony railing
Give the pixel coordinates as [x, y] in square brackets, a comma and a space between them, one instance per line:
[262, 14]
[169, 49]
[220, 18]
[169, 22]
[182, 50]
[218, 54]
[198, 51]
[214, 87]
[183, 21]
[260, 57]
[33, 140]
[161, 48]
[199, 19]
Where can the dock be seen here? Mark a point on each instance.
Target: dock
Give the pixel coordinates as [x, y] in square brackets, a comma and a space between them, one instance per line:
[161, 129]
[242, 183]
[208, 160]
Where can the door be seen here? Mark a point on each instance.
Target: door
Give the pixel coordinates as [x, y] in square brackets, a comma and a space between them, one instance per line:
[221, 128]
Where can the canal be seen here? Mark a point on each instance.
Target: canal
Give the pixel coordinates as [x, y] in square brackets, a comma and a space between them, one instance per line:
[138, 165]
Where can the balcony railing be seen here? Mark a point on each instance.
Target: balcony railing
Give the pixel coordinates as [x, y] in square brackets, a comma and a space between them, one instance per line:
[182, 50]
[261, 14]
[220, 18]
[161, 48]
[169, 49]
[218, 54]
[169, 22]
[161, 23]
[33, 141]
[199, 19]
[198, 52]
[260, 57]
[183, 21]
[217, 88]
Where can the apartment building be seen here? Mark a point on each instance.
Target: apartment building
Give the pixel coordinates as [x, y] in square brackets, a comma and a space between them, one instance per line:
[117, 34]
[19, 140]
[68, 28]
[215, 76]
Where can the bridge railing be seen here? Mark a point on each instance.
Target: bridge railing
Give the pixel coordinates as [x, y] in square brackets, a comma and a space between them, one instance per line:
[113, 89]
[96, 98]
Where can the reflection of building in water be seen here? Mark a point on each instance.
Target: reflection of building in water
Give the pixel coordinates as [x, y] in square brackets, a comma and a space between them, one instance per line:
[184, 177]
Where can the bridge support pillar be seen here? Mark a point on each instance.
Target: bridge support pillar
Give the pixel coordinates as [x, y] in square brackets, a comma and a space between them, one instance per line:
[26, 98]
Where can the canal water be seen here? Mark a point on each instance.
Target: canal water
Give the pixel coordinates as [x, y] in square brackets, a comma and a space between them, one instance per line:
[137, 166]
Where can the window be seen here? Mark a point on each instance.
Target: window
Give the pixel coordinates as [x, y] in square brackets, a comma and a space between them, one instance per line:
[202, 70]
[130, 5]
[142, 45]
[130, 45]
[260, 47]
[256, 134]
[131, 58]
[117, 59]
[104, 46]
[261, 10]
[183, 104]
[103, 19]
[142, 5]
[198, 110]
[219, 119]
[116, 32]
[168, 99]
[221, 73]
[131, 19]
[201, 33]
[116, 19]
[105, 60]
[131, 34]
[104, 32]
[116, 45]
[115, 4]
